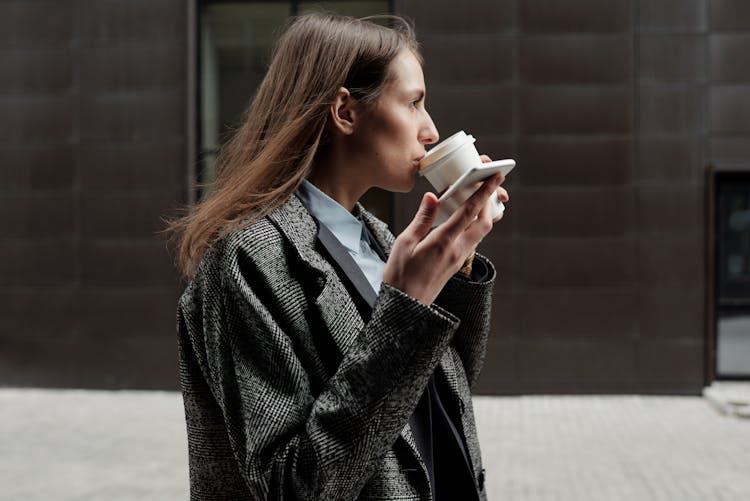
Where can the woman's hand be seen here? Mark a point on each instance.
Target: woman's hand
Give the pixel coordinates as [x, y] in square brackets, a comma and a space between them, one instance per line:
[421, 263]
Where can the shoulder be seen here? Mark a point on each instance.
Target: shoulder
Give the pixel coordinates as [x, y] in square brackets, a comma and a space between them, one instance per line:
[249, 242]
[262, 245]
[260, 239]
[243, 263]
[252, 243]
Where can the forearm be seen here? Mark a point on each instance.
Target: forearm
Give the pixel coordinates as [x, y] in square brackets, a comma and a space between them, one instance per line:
[326, 447]
[377, 386]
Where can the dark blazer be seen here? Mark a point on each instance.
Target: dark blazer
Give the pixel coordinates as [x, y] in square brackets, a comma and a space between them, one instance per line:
[291, 394]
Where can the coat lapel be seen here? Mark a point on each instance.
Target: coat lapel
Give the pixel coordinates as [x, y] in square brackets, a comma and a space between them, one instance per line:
[408, 435]
[347, 265]
[378, 230]
[338, 310]
[333, 302]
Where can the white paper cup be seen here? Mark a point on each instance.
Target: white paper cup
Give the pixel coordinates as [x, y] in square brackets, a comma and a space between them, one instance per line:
[445, 163]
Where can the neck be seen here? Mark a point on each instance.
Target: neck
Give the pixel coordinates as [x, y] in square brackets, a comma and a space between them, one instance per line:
[338, 180]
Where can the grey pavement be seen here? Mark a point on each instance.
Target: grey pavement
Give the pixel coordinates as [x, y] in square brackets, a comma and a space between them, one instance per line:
[90, 445]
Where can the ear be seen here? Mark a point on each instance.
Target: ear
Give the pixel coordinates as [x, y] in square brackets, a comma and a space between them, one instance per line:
[343, 112]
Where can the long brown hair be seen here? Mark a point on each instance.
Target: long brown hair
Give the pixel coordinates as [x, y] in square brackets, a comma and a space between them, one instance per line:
[273, 151]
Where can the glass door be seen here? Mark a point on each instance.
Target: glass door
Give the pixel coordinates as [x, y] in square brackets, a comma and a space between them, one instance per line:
[733, 275]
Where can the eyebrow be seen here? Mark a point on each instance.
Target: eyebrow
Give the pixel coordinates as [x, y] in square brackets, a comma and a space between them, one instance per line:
[420, 93]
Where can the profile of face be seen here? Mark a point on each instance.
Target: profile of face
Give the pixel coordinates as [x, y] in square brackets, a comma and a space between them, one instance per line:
[389, 138]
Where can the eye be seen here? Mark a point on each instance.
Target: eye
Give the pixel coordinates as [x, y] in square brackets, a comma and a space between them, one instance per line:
[414, 104]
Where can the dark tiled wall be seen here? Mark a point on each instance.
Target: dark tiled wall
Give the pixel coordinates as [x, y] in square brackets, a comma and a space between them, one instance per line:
[613, 109]
[729, 82]
[609, 109]
[669, 190]
[92, 152]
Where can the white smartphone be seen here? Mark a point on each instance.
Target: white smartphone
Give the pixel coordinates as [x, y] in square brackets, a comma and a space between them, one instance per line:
[478, 174]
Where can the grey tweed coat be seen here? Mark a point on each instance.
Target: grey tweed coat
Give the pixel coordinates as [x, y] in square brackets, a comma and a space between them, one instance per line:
[290, 394]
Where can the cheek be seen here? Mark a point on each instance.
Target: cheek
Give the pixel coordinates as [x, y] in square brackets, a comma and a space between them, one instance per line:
[388, 137]
[394, 123]
[400, 138]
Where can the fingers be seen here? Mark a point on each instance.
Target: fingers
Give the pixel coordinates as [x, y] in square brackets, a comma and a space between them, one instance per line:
[485, 159]
[470, 209]
[425, 217]
[480, 227]
[503, 197]
[500, 215]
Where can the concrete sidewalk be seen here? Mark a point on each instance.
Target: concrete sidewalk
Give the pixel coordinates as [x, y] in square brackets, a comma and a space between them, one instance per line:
[83, 445]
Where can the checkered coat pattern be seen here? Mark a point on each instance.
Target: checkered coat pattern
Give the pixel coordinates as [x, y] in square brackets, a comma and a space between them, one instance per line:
[290, 394]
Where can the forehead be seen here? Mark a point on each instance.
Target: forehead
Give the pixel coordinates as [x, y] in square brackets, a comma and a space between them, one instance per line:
[406, 73]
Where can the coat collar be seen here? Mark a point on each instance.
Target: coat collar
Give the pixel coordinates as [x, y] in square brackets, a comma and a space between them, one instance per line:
[333, 301]
[299, 227]
[378, 229]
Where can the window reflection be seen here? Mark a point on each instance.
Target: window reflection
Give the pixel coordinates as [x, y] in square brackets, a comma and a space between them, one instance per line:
[236, 42]
[733, 344]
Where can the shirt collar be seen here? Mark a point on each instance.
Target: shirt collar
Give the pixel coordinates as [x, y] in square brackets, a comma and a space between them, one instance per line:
[347, 228]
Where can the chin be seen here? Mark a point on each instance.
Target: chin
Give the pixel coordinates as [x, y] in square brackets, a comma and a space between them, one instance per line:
[406, 187]
[402, 186]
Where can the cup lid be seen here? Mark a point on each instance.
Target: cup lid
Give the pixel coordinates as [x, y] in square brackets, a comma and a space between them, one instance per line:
[446, 147]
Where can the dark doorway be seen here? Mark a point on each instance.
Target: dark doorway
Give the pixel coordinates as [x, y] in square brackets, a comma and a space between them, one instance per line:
[732, 296]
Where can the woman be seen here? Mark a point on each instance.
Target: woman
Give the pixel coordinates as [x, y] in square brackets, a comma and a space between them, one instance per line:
[320, 357]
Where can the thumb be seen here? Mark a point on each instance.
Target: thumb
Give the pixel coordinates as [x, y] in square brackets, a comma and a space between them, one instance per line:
[426, 215]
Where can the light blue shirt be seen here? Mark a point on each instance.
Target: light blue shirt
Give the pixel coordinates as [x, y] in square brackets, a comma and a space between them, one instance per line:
[347, 229]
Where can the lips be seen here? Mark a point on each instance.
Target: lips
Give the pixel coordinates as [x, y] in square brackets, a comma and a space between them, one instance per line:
[418, 162]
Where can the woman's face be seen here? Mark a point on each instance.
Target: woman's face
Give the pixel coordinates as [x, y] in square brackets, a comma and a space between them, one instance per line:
[393, 134]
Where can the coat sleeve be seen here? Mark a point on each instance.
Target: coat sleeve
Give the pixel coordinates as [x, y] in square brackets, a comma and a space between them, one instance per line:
[290, 444]
[471, 302]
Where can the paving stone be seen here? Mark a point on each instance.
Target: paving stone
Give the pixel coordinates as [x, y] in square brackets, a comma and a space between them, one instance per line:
[94, 445]
[730, 398]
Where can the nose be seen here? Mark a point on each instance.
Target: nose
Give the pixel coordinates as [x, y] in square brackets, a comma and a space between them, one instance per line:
[428, 134]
